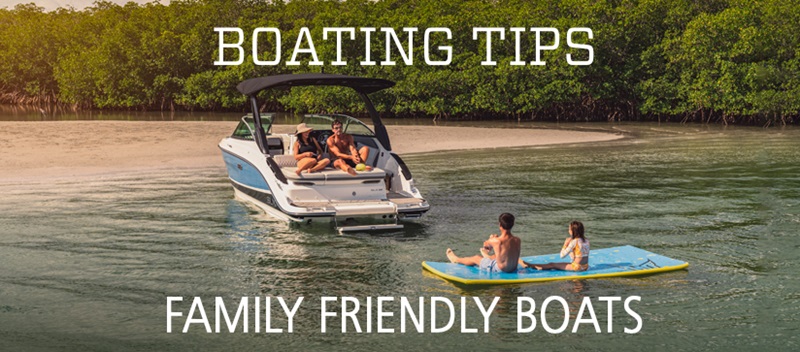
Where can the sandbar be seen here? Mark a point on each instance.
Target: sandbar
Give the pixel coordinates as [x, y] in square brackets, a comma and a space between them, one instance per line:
[36, 150]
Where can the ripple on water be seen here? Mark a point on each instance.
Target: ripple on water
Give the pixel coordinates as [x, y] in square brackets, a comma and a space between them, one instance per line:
[95, 259]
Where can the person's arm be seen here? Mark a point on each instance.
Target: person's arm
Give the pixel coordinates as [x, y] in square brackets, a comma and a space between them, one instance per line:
[319, 148]
[488, 244]
[297, 149]
[353, 151]
[488, 247]
[334, 149]
[566, 242]
[569, 245]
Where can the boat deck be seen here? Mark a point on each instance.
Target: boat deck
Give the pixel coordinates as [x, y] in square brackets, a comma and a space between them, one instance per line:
[399, 198]
[396, 198]
[332, 174]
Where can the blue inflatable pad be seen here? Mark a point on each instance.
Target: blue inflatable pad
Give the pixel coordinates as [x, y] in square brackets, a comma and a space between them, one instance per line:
[605, 262]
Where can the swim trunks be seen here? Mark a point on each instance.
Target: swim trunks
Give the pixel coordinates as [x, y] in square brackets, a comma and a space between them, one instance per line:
[490, 265]
[350, 162]
[347, 161]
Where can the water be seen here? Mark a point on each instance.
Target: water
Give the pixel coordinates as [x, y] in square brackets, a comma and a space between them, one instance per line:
[88, 264]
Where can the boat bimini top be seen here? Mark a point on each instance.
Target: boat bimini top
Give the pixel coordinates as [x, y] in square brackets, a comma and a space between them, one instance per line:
[361, 85]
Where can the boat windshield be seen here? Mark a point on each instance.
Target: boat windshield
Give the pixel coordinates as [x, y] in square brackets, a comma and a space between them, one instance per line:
[350, 124]
[246, 128]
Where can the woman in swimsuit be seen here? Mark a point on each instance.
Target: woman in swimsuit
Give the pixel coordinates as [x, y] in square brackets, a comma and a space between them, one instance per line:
[307, 151]
[576, 246]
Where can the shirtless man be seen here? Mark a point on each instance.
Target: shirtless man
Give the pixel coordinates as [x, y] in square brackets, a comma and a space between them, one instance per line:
[342, 147]
[506, 250]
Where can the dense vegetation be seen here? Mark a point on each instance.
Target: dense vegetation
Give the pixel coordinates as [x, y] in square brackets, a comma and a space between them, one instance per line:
[715, 61]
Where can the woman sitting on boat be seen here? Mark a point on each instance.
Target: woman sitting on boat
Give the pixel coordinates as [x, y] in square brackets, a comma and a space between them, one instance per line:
[307, 151]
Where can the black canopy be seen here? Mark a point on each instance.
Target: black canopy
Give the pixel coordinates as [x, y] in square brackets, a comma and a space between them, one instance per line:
[360, 84]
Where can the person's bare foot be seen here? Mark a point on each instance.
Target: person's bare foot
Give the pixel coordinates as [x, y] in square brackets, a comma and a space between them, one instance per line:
[485, 252]
[352, 172]
[523, 265]
[538, 267]
[298, 171]
[452, 256]
[369, 168]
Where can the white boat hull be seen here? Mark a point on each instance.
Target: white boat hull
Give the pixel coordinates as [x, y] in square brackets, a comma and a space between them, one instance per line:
[327, 196]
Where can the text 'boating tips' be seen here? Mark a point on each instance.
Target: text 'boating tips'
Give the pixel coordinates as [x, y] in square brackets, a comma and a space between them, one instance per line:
[267, 45]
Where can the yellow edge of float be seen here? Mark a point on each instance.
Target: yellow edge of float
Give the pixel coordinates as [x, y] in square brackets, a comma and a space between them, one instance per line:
[543, 279]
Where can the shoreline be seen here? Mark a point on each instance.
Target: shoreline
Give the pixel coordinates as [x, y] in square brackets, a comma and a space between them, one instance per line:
[39, 150]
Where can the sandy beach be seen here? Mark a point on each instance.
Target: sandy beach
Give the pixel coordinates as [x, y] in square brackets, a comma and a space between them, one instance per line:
[66, 149]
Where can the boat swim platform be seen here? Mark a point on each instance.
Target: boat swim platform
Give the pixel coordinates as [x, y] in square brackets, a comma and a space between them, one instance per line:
[393, 197]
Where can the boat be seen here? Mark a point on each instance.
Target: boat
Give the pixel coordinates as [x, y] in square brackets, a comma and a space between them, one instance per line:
[261, 166]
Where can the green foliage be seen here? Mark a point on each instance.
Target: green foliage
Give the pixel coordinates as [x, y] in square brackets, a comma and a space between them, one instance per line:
[740, 62]
[719, 60]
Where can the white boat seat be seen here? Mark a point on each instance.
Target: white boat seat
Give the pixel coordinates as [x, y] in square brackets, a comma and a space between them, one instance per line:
[288, 166]
[285, 160]
[329, 174]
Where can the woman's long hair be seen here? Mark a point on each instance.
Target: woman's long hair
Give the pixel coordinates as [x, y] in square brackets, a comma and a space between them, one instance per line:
[577, 230]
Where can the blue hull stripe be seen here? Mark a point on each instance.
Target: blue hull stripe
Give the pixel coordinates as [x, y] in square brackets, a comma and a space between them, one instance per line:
[244, 172]
[269, 200]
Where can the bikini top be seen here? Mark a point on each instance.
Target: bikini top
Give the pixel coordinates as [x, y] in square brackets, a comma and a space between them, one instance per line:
[304, 148]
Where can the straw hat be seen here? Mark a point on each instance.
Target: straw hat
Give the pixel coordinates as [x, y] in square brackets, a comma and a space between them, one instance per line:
[303, 128]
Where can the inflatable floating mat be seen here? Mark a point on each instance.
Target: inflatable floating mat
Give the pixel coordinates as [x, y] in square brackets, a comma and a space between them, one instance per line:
[606, 262]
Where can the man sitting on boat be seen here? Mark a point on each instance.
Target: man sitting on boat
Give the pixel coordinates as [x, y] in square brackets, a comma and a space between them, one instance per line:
[343, 150]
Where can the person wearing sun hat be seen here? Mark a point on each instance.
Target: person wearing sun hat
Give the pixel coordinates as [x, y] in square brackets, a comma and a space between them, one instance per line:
[307, 151]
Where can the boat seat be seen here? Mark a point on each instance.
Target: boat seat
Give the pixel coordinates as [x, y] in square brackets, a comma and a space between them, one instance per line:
[329, 174]
[285, 160]
[289, 161]
[288, 166]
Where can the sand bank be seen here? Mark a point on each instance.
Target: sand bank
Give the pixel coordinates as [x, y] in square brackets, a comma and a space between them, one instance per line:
[60, 149]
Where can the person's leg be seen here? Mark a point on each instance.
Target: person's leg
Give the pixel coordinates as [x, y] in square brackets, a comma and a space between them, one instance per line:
[320, 165]
[341, 164]
[471, 261]
[305, 163]
[552, 266]
[364, 153]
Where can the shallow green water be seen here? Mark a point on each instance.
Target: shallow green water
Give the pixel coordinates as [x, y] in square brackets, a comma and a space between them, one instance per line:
[88, 264]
